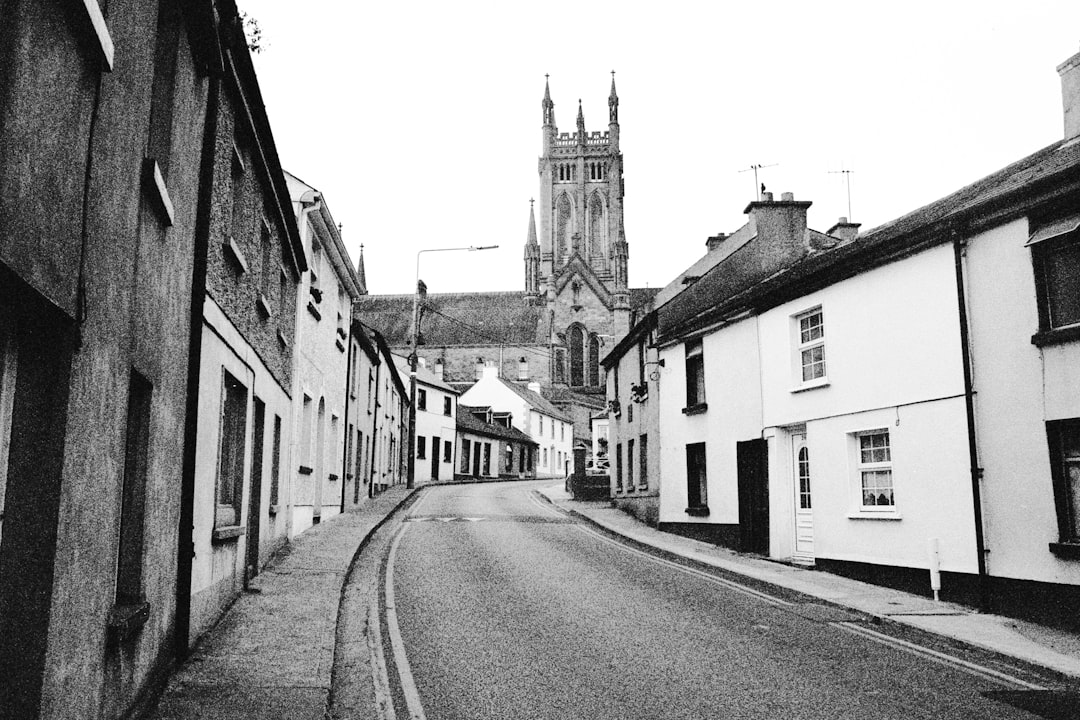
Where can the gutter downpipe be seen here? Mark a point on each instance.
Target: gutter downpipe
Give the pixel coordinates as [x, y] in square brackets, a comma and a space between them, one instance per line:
[185, 538]
[959, 245]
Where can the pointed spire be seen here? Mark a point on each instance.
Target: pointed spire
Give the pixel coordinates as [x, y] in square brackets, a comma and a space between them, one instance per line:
[531, 240]
[360, 274]
[580, 121]
[548, 106]
[613, 103]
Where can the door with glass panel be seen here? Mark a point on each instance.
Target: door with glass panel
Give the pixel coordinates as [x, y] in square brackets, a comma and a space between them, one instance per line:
[804, 514]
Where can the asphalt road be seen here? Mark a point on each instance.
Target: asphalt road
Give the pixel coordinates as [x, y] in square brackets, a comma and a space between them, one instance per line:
[493, 604]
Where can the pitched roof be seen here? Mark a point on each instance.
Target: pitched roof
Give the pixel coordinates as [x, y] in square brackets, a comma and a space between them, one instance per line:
[423, 375]
[478, 318]
[467, 422]
[1011, 192]
[539, 402]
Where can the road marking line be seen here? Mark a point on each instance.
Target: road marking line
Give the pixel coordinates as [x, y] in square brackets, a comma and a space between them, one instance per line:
[384, 702]
[545, 506]
[940, 657]
[408, 684]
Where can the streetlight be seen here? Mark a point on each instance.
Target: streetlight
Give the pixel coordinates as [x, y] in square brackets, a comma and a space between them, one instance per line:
[410, 481]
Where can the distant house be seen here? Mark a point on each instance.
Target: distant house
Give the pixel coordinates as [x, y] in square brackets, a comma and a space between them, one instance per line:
[321, 361]
[390, 442]
[550, 428]
[490, 447]
[436, 412]
[362, 420]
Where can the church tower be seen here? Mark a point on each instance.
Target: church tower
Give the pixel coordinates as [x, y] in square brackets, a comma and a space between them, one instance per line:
[581, 196]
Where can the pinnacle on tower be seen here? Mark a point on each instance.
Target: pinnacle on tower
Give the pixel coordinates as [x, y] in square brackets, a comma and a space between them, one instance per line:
[531, 240]
[580, 122]
[548, 106]
[613, 102]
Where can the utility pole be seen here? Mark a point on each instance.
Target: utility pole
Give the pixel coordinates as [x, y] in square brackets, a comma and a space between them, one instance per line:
[759, 188]
[847, 181]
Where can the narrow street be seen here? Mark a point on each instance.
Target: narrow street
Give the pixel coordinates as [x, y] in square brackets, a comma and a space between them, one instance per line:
[494, 604]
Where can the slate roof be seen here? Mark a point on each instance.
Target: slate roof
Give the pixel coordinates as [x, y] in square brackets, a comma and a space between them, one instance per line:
[470, 319]
[423, 375]
[467, 422]
[479, 318]
[727, 289]
[537, 401]
[563, 395]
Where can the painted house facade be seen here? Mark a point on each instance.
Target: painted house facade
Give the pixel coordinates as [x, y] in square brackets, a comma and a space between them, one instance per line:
[436, 424]
[491, 448]
[632, 423]
[254, 259]
[885, 403]
[389, 464]
[549, 427]
[360, 415]
[323, 312]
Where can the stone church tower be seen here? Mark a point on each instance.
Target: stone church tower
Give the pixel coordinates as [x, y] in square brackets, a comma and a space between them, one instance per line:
[577, 265]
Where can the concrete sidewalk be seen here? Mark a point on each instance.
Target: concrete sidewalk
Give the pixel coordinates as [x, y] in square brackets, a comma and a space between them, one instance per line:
[1046, 647]
[272, 654]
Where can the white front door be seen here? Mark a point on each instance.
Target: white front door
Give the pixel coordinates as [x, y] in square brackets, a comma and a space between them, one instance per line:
[804, 515]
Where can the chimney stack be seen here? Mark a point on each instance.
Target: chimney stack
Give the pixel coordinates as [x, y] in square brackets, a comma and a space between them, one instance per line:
[1070, 95]
[715, 241]
[844, 230]
[781, 226]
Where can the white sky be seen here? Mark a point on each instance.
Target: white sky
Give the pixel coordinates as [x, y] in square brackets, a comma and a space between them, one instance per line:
[420, 121]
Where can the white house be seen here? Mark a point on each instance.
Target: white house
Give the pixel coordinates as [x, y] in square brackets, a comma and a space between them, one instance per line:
[436, 423]
[550, 428]
[321, 360]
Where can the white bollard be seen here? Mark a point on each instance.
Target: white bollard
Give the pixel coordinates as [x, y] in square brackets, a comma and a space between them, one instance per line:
[935, 566]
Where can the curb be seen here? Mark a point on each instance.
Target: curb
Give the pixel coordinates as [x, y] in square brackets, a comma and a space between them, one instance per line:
[789, 594]
[339, 641]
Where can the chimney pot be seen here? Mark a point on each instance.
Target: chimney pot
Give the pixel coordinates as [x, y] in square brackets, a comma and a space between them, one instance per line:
[766, 197]
[715, 241]
[787, 197]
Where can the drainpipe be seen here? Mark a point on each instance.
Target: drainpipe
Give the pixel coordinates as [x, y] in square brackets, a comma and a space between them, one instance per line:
[185, 542]
[959, 245]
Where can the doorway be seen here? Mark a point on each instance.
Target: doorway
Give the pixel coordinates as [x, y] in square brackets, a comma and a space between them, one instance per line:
[436, 446]
[804, 514]
[753, 476]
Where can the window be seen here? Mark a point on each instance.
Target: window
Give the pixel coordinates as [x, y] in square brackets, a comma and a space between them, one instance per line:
[629, 464]
[447, 451]
[1057, 270]
[465, 456]
[232, 440]
[1064, 442]
[577, 352]
[562, 431]
[594, 360]
[542, 427]
[487, 458]
[695, 375]
[618, 467]
[421, 442]
[305, 435]
[447, 406]
[129, 562]
[421, 399]
[162, 98]
[811, 345]
[697, 498]
[875, 470]
[804, 478]
[643, 461]
[544, 462]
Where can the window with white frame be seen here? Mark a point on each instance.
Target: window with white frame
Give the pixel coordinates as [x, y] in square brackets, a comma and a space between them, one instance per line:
[874, 464]
[1064, 445]
[811, 336]
[695, 374]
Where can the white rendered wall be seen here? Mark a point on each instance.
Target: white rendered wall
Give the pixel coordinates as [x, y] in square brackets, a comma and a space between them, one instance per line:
[733, 396]
[433, 423]
[1018, 388]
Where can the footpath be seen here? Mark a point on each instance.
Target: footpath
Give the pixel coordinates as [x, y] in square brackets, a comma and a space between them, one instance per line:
[272, 654]
[1046, 647]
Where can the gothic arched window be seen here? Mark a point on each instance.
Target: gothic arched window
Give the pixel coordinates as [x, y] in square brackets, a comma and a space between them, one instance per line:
[597, 231]
[564, 226]
[577, 355]
[594, 360]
